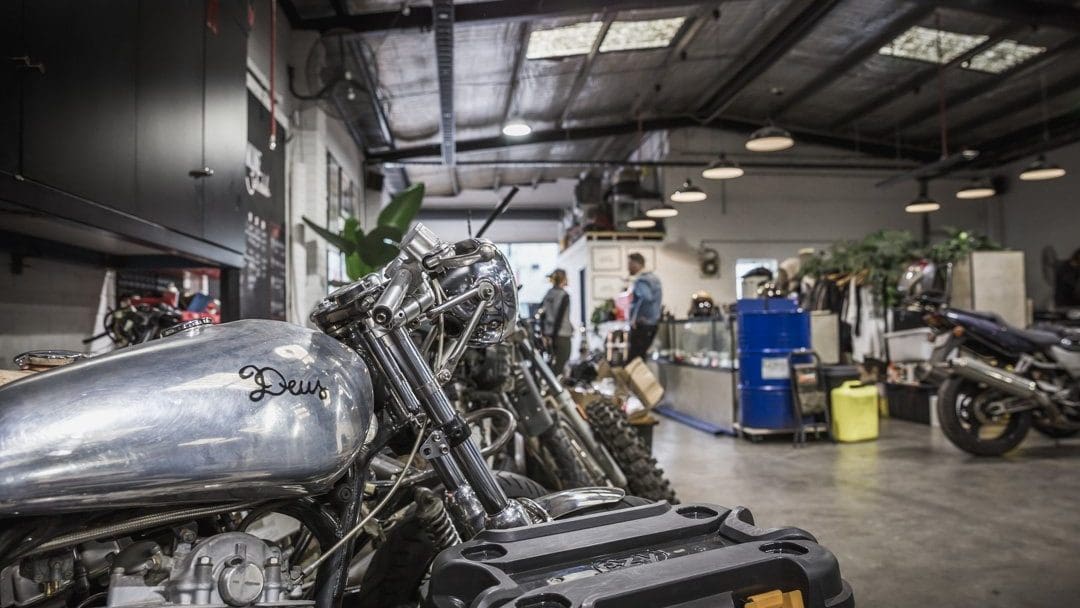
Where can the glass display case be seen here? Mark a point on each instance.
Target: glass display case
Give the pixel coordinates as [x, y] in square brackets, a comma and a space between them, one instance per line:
[707, 342]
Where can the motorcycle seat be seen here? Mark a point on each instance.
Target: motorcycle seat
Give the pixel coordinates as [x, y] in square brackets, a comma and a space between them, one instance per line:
[1045, 339]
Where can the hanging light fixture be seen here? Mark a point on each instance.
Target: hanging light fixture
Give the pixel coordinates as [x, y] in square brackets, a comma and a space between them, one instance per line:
[977, 188]
[769, 138]
[640, 222]
[722, 168]
[922, 203]
[1041, 170]
[688, 193]
[662, 211]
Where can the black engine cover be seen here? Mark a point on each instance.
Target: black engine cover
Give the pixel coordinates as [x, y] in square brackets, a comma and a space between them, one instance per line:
[656, 555]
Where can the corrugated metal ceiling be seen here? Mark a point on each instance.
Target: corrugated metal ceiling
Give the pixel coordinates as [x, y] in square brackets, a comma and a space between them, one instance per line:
[660, 83]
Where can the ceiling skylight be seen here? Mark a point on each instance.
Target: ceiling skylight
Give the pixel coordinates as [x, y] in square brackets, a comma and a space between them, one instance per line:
[1003, 56]
[631, 35]
[923, 43]
[576, 39]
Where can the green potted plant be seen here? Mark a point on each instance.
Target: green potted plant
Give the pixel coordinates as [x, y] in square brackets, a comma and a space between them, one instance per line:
[366, 252]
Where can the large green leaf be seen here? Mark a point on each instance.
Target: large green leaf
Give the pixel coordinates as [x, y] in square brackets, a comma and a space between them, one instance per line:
[355, 267]
[402, 209]
[352, 231]
[334, 239]
[374, 249]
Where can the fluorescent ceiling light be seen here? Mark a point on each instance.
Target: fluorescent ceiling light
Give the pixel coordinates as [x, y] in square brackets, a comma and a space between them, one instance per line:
[921, 43]
[516, 128]
[630, 35]
[576, 39]
[1003, 56]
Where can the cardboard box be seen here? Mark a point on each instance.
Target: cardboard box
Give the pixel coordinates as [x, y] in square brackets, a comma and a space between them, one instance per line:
[643, 383]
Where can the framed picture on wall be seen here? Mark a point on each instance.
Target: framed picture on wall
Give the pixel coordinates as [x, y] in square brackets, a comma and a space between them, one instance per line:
[607, 286]
[648, 252]
[606, 258]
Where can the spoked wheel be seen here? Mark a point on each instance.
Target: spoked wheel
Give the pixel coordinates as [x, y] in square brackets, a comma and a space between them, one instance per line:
[972, 417]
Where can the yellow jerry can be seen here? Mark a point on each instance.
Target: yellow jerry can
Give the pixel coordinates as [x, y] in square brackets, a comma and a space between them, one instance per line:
[854, 411]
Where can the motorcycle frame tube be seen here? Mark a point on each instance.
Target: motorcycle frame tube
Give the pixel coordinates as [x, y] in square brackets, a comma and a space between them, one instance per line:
[442, 412]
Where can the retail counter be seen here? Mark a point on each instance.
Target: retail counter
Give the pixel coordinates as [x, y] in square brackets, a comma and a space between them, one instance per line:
[696, 366]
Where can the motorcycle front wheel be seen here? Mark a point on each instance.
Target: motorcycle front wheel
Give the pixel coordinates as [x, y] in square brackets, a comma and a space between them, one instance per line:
[961, 411]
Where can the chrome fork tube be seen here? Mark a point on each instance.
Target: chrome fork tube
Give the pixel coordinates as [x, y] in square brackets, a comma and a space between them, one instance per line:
[446, 468]
[445, 417]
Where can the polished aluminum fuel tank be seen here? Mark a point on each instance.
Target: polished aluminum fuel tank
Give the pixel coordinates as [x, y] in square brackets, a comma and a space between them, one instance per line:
[250, 409]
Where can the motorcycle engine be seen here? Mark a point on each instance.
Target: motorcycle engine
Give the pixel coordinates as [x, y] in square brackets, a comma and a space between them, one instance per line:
[229, 569]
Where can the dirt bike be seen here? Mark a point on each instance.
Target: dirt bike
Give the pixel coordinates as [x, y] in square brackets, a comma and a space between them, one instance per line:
[263, 464]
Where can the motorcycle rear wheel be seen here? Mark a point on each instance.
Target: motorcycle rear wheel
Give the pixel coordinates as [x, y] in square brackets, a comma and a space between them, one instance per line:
[958, 399]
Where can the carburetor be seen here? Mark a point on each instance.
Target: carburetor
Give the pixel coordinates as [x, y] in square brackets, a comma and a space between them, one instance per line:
[230, 569]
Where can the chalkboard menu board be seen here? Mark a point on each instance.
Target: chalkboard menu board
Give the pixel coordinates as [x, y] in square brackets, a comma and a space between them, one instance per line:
[262, 281]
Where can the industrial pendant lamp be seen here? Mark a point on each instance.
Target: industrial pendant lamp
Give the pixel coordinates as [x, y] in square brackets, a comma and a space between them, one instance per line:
[978, 188]
[722, 168]
[688, 193]
[1041, 170]
[662, 211]
[640, 222]
[922, 203]
[769, 138]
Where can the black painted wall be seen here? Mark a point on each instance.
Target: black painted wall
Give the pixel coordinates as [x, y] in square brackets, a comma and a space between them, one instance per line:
[135, 95]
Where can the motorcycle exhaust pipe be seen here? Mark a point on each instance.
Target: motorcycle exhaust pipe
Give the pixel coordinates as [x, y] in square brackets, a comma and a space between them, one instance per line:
[1004, 381]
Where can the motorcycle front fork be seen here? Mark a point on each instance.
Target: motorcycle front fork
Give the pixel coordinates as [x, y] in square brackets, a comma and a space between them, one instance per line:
[473, 496]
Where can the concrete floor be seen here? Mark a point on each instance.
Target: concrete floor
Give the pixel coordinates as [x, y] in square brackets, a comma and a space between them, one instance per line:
[913, 520]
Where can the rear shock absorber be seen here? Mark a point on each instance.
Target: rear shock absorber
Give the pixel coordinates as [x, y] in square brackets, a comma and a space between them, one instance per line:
[433, 518]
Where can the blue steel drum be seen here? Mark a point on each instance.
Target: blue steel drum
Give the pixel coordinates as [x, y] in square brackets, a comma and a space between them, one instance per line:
[769, 330]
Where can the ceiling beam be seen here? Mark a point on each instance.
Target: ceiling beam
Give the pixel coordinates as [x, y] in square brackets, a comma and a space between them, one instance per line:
[918, 80]
[907, 18]
[790, 32]
[586, 67]
[1032, 12]
[1008, 109]
[975, 91]
[871, 147]
[420, 17]
[443, 24]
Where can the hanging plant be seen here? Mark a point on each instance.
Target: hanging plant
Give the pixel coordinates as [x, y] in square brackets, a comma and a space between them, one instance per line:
[364, 253]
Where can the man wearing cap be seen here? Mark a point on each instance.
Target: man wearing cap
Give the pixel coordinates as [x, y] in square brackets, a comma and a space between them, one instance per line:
[555, 320]
[644, 307]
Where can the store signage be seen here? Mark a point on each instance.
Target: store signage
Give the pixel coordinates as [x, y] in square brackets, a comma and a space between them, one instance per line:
[256, 180]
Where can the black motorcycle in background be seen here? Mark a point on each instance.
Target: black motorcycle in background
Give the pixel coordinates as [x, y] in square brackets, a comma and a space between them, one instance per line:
[997, 381]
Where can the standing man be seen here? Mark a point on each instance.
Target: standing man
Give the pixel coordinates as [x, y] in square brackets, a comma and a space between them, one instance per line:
[644, 307]
[555, 320]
